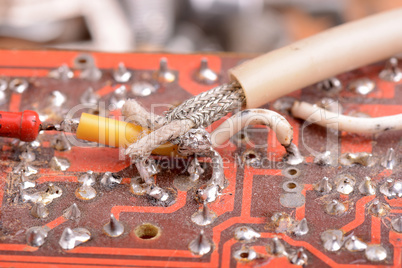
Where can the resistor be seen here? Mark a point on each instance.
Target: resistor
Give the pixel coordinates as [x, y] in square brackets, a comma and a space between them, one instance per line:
[26, 126]
[21, 125]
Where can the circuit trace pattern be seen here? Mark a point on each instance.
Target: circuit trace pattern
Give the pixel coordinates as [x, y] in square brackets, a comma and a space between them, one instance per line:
[263, 193]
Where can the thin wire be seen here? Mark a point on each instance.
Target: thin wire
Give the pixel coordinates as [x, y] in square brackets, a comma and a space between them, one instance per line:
[209, 106]
[199, 111]
[340, 122]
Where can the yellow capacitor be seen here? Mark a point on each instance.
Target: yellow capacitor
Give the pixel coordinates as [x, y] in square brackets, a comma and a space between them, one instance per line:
[115, 133]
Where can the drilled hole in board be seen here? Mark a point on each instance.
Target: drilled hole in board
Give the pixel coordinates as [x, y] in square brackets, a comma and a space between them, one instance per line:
[17, 83]
[292, 171]
[147, 231]
[82, 60]
[250, 156]
[244, 255]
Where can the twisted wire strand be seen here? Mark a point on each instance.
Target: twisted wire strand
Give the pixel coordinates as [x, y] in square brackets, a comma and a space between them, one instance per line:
[209, 106]
[144, 146]
[135, 113]
[199, 111]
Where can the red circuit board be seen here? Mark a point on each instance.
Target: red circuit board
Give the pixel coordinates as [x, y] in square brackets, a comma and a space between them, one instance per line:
[251, 198]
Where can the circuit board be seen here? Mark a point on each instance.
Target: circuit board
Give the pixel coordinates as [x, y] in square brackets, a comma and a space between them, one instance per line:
[264, 194]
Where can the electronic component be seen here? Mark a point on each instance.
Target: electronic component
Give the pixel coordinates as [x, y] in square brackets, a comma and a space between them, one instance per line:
[306, 61]
[236, 205]
[21, 125]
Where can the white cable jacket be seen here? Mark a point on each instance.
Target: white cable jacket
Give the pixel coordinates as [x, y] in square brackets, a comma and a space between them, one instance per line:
[281, 127]
[316, 58]
[340, 122]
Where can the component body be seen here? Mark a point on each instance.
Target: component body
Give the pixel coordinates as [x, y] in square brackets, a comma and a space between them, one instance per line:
[21, 125]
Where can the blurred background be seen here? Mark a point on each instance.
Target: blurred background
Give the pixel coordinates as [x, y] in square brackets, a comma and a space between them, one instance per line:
[181, 26]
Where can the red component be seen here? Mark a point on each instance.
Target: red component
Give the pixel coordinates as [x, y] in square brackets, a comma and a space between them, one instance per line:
[21, 125]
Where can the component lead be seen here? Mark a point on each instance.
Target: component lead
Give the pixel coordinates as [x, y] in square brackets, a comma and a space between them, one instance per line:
[71, 238]
[87, 179]
[246, 234]
[60, 142]
[362, 158]
[39, 211]
[276, 248]
[110, 180]
[389, 161]
[91, 73]
[293, 156]
[345, 184]
[63, 73]
[113, 228]
[299, 257]
[204, 216]
[391, 72]
[204, 74]
[354, 244]
[18, 85]
[86, 191]
[89, 96]
[387, 188]
[282, 222]
[323, 186]
[200, 245]
[27, 156]
[121, 74]
[119, 97]
[25, 182]
[332, 85]
[208, 193]
[59, 163]
[325, 158]
[159, 193]
[36, 236]
[72, 212]
[3, 84]
[164, 75]
[367, 187]
[378, 209]
[362, 86]
[25, 169]
[334, 207]
[143, 88]
[396, 224]
[195, 170]
[332, 240]
[301, 228]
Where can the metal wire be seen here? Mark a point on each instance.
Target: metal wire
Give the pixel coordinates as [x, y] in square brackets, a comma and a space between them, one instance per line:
[209, 106]
[199, 111]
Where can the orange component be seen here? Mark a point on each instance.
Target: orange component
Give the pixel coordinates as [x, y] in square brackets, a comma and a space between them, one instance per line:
[115, 133]
[21, 125]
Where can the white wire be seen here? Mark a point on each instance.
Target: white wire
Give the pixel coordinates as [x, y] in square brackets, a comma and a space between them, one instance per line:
[340, 122]
[281, 127]
[313, 59]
